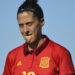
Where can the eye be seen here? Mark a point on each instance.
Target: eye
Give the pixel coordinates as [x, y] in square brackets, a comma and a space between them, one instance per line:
[29, 23]
[21, 25]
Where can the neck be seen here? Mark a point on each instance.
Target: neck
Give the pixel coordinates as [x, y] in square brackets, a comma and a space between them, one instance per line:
[37, 43]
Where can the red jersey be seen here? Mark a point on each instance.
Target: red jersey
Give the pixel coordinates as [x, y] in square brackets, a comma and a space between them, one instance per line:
[48, 59]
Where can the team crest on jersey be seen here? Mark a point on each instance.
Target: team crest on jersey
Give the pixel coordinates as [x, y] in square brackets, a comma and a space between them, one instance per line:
[19, 63]
[44, 62]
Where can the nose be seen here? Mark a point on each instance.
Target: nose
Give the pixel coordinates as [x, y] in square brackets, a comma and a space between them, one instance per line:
[26, 29]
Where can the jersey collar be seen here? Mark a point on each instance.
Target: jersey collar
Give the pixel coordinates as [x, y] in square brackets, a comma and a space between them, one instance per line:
[37, 50]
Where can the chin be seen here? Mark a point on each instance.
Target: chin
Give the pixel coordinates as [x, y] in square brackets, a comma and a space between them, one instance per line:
[30, 42]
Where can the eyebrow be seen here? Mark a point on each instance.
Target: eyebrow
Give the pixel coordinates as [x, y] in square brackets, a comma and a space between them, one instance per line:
[20, 24]
[29, 22]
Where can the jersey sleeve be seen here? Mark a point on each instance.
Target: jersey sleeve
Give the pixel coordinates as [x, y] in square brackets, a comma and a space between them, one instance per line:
[7, 68]
[66, 65]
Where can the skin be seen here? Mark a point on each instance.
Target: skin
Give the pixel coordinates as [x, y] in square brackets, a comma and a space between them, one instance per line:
[30, 28]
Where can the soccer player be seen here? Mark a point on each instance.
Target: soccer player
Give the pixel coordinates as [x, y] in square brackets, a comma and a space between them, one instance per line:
[38, 55]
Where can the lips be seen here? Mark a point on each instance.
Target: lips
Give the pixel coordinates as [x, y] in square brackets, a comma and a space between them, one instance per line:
[28, 34]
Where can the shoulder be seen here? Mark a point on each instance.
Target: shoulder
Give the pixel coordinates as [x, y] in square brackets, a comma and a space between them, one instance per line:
[15, 51]
[58, 52]
[57, 48]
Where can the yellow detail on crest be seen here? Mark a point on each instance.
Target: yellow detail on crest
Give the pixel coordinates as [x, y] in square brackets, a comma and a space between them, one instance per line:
[19, 63]
[44, 62]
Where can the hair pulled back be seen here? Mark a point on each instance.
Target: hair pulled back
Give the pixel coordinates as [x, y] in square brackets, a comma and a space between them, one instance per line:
[31, 5]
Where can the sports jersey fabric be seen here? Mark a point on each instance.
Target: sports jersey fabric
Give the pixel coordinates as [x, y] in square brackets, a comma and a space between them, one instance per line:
[48, 59]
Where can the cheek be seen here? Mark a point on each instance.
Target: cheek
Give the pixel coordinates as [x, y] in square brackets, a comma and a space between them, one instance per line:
[21, 29]
[36, 30]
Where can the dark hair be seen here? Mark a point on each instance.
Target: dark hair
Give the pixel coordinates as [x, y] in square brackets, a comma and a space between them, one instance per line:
[31, 5]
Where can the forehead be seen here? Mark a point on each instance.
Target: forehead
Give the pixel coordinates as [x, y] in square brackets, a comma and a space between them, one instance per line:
[25, 16]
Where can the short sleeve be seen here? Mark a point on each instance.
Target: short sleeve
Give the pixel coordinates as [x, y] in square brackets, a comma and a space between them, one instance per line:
[66, 65]
[7, 68]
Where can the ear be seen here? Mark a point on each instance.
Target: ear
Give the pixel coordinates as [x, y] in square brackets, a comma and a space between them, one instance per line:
[42, 22]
